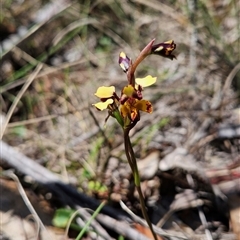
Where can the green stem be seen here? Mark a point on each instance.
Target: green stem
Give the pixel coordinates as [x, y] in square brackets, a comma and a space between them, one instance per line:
[126, 145]
[143, 54]
[90, 221]
[133, 161]
[144, 212]
[133, 164]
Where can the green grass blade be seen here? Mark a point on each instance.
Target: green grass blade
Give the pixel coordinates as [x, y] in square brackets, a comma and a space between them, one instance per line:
[90, 220]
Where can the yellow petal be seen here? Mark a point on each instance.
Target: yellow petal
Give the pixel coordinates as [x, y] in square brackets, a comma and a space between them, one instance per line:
[144, 105]
[103, 105]
[169, 42]
[105, 92]
[128, 90]
[122, 55]
[147, 81]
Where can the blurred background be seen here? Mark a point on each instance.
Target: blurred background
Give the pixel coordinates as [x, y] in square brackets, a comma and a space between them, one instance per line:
[78, 43]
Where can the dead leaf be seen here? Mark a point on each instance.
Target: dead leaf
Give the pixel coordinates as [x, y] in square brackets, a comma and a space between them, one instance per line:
[146, 231]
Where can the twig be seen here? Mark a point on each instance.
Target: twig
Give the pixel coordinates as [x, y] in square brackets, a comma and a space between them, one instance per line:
[185, 200]
[230, 77]
[46, 71]
[55, 8]
[37, 223]
[32, 121]
[71, 27]
[121, 227]
[100, 129]
[144, 223]
[204, 223]
[165, 9]
[10, 174]
[192, 6]
[28, 58]
[18, 97]
[200, 212]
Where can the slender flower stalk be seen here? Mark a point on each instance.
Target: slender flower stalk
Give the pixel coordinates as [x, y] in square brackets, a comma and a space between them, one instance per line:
[126, 107]
[144, 53]
[133, 164]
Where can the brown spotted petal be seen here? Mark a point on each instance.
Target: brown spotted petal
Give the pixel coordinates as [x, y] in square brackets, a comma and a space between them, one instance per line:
[164, 49]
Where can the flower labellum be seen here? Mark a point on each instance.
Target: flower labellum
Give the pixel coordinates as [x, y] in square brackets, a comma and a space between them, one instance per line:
[132, 107]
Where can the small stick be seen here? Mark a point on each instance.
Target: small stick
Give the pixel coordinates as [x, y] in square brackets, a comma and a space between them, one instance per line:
[11, 175]
[18, 97]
